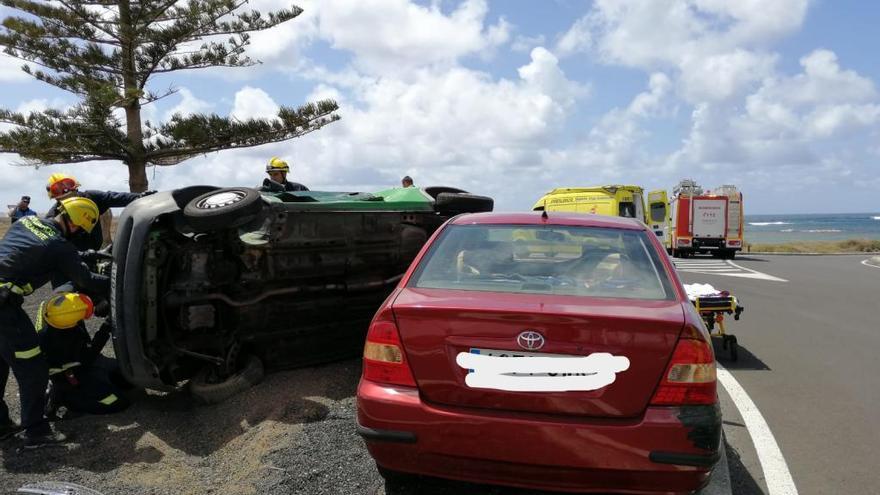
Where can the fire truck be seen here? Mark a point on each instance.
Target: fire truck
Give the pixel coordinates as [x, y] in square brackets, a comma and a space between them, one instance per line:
[706, 222]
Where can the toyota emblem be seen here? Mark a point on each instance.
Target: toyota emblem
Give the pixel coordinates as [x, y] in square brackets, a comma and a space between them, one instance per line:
[530, 340]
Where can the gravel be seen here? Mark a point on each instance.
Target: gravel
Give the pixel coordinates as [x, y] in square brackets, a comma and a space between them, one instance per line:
[292, 433]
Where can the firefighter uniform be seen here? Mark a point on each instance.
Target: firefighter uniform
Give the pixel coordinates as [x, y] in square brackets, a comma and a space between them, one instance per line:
[82, 379]
[32, 252]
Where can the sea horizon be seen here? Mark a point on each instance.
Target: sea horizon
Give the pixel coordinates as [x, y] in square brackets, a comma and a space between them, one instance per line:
[796, 227]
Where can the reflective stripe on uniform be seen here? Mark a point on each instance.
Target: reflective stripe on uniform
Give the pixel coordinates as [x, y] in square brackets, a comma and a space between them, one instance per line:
[41, 323]
[63, 368]
[110, 399]
[24, 290]
[34, 351]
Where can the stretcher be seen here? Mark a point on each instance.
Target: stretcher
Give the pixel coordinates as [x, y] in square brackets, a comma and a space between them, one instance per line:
[713, 305]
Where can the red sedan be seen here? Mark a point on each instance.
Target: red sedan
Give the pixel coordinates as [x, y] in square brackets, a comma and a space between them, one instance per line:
[547, 351]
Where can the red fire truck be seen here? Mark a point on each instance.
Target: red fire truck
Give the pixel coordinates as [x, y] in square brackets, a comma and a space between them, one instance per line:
[706, 222]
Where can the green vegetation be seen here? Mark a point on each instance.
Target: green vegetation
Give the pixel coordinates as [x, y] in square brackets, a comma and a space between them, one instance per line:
[847, 246]
[109, 53]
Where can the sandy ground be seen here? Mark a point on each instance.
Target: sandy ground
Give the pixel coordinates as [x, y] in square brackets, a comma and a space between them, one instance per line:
[166, 444]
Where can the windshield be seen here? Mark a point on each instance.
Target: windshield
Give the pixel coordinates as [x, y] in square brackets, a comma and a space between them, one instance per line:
[578, 261]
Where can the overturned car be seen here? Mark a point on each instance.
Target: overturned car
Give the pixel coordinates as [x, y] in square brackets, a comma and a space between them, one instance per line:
[212, 284]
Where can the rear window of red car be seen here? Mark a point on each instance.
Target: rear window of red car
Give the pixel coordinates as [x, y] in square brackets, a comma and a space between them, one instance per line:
[581, 261]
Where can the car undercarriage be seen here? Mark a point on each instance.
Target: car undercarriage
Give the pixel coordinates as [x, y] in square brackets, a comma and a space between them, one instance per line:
[290, 283]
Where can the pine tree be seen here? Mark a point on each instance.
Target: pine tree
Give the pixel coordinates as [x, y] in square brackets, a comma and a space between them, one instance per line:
[107, 52]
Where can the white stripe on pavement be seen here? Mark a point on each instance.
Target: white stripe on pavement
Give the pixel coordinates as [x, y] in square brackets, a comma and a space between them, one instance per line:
[866, 263]
[763, 276]
[776, 473]
[726, 268]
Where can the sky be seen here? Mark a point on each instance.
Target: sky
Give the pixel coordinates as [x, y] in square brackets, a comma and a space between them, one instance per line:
[513, 98]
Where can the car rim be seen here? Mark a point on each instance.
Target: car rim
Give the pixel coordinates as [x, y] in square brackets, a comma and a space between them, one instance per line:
[221, 200]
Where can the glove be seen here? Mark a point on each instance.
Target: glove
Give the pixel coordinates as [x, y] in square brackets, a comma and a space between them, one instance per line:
[89, 256]
[147, 193]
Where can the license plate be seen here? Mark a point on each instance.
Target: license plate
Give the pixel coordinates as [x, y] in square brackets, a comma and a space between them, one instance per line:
[503, 353]
[516, 354]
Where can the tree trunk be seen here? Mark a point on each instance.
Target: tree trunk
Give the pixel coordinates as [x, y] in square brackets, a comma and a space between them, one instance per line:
[137, 176]
[137, 173]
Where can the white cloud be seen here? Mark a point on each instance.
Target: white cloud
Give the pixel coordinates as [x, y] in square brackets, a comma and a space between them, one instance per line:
[724, 75]
[394, 35]
[383, 36]
[454, 126]
[545, 75]
[665, 32]
[577, 39]
[717, 46]
[801, 120]
[253, 103]
[188, 104]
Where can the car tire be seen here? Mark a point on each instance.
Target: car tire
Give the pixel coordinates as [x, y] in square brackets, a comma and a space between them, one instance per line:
[433, 191]
[450, 203]
[202, 388]
[224, 208]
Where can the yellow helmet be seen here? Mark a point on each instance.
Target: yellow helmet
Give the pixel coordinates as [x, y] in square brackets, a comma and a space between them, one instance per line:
[277, 165]
[60, 184]
[67, 309]
[83, 212]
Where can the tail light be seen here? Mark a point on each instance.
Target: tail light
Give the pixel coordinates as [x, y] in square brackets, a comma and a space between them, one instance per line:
[684, 242]
[690, 376]
[384, 359]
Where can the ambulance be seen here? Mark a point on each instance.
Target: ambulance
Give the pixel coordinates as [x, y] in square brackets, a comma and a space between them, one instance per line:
[613, 200]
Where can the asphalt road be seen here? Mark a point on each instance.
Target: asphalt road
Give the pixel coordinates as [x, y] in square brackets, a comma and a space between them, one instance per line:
[808, 360]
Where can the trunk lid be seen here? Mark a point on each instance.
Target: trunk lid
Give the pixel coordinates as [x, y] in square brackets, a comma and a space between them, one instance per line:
[437, 324]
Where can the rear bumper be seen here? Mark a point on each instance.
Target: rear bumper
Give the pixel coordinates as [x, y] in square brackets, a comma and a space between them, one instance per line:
[656, 453]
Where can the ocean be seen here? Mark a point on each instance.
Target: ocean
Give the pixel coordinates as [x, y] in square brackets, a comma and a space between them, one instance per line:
[812, 227]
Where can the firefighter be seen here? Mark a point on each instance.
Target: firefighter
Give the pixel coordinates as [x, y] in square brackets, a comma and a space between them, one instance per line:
[60, 186]
[277, 180]
[82, 380]
[33, 251]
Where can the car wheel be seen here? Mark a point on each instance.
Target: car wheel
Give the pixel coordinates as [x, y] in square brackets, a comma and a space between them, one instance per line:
[205, 387]
[450, 203]
[223, 208]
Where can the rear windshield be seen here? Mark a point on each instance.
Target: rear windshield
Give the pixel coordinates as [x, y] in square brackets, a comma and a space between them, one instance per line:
[579, 261]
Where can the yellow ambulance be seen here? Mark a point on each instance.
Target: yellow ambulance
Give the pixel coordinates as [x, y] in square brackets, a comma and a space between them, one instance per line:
[614, 200]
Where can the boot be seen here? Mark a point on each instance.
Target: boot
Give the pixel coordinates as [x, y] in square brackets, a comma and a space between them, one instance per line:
[52, 438]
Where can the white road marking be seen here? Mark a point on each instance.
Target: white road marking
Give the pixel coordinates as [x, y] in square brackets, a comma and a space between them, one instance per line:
[865, 262]
[725, 268]
[776, 473]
